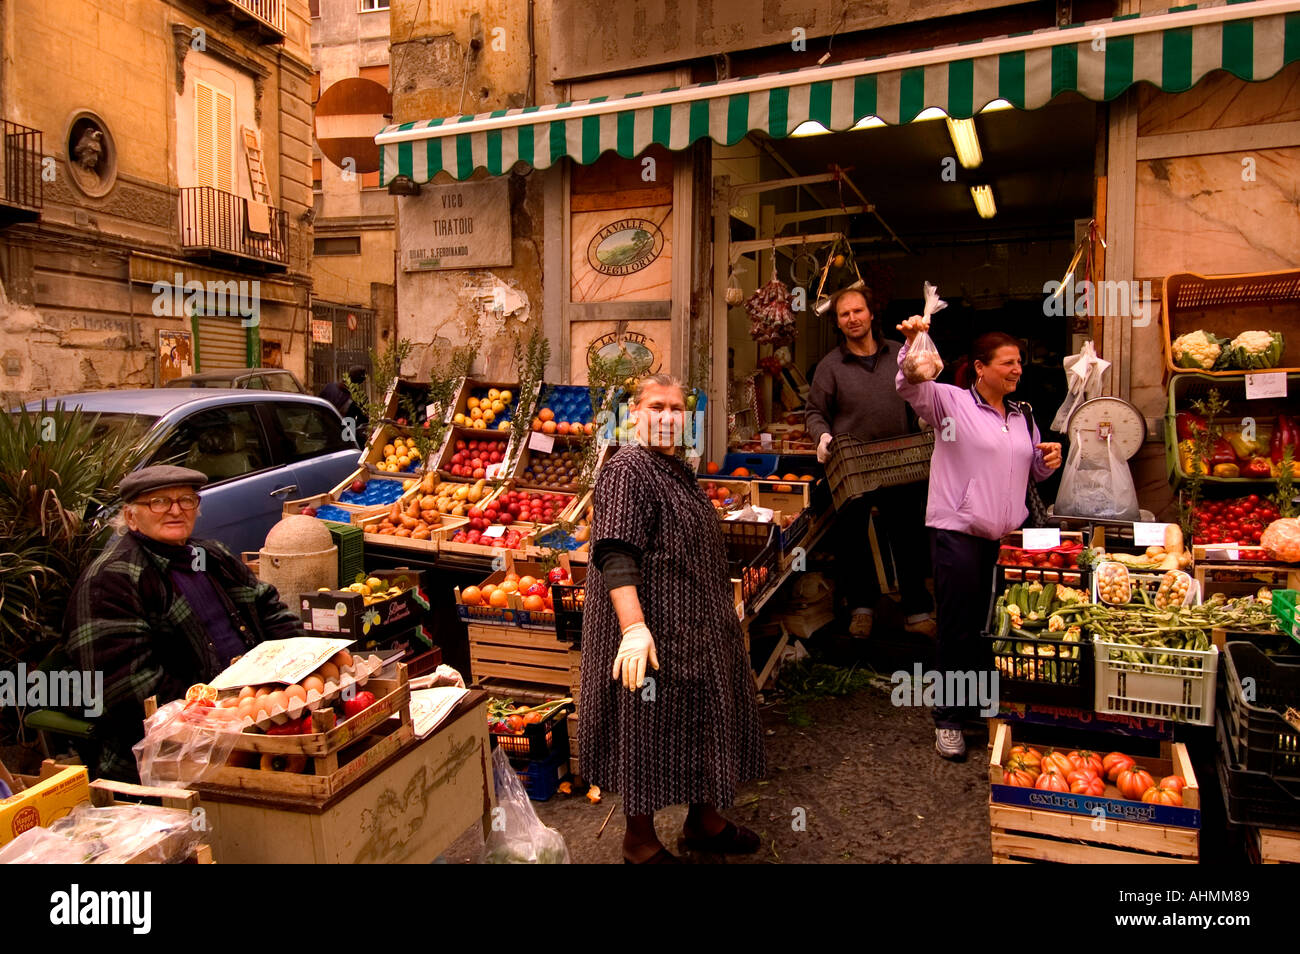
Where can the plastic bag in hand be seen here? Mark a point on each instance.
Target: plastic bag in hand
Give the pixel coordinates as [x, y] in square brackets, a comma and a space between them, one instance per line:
[184, 742]
[923, 362]
[518, 837]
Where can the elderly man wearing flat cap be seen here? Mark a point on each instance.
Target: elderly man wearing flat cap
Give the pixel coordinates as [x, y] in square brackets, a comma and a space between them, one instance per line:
[158, 612]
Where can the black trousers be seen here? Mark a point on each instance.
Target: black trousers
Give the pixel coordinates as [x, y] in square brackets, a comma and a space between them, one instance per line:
[963, 580]
[900, 528]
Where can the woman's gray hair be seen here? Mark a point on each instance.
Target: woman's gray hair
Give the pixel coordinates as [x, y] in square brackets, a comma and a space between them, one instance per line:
[656, 380]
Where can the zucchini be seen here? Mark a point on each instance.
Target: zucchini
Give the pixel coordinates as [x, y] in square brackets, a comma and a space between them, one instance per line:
[1013, 595]
[1045, 598]
[1024, 600]
[1004, 622]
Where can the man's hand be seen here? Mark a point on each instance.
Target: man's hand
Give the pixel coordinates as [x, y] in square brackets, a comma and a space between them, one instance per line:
[913, 327]
[824, 448]
[1051, 454]
[637, 648]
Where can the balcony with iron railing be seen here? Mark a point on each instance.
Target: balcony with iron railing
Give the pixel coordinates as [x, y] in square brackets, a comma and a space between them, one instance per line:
[263, 18]
[214, 222]
[23, 186]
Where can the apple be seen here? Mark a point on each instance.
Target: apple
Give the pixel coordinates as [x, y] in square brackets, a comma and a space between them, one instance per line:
[475, 511]
[308, 511]
[478, 473]
[460, 445]
[358, 486]
[505, 519]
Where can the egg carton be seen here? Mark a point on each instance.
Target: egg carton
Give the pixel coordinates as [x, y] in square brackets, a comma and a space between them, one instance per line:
[350, 679]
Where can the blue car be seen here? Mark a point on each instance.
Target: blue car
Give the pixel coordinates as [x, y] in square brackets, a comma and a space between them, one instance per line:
[258, 448]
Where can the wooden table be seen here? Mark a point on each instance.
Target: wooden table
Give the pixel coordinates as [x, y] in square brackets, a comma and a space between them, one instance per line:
[406, 809]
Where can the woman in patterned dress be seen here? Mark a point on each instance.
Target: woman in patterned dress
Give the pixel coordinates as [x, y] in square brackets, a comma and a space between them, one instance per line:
[678, 721]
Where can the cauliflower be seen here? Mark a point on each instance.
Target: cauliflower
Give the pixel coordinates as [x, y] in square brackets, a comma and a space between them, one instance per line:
[1251, 350]
[1197, 349]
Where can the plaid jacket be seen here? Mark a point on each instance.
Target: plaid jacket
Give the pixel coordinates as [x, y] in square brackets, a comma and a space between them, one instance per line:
[126, 619]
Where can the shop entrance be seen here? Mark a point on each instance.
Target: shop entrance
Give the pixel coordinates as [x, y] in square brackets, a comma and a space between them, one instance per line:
[901, 198]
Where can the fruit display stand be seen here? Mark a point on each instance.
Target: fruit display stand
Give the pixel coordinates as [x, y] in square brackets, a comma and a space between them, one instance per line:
[1226, 305]
[1033, 825]
[375, 456]
[404, 806]
[457, 458]
[554, 463]
[471, 395]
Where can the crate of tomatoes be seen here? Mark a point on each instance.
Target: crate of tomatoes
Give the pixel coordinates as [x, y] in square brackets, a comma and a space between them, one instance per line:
[1239, 520]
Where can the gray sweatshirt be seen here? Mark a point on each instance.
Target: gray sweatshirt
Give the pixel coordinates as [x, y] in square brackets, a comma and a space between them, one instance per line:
[852, 394]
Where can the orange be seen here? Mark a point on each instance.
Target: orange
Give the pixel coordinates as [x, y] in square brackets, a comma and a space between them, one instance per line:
[740, 472]
[713, 467]
[471, 596]
[534, 603]
[509, 586]
[792, 477]
[199, 691]
[537, 423]
[525, 582]
[546, 414]
[548, 427]
[512, 575]
[499, 598]
[487, 590]
[562, 427]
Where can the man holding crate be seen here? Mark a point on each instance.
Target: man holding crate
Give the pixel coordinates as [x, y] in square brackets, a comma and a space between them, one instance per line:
[853, 393]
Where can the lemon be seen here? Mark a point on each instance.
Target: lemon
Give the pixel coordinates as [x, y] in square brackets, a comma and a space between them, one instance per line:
[375, 583]
[471, 403]
[506, 396]
[498, 407]
[493, 394]
[479, 424]
[503, 426]
[459, 420]
[488, 417]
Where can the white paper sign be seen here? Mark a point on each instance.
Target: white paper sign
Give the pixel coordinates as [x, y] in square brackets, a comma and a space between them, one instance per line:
[1149, 534]
[282, 660]
[496, 530]
[1222, 553]
[430, 706]
[765, 440]
[1040, 538]
[1266, 384]
[545, 443]
[493, 471]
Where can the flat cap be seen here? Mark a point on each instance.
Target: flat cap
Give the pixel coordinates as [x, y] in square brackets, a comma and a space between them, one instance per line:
[156, 477]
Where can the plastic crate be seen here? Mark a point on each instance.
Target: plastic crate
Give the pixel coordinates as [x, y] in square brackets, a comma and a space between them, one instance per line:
[859, 467]
[541, 740]
[1047, 680]
[753, 555]
[1254, 798]
[1262, 739]
[542, 779]
[568, 600]
[1284, 608]
[1181, 689]
[791, 535]
[758, 465]
[350, 539]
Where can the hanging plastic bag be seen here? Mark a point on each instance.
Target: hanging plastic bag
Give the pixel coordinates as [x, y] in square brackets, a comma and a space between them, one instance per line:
[1083, 373]
[184, 742]
[1096, 482]
[923, 362]
[518, 837]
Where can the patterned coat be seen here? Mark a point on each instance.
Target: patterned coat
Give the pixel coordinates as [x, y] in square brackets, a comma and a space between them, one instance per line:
[693, 734]
[127, 620]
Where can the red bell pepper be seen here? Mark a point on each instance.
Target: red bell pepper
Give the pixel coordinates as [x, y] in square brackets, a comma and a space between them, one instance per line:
[1188, 425]
[1221, 452]
[292, 727]
[1284, 435]
[1257, 467]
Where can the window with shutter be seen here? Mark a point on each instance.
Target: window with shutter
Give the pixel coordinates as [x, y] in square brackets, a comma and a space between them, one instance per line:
[213, 138]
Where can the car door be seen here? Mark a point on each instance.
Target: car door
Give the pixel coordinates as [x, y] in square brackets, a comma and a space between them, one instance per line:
[313, 442]
[248, 482]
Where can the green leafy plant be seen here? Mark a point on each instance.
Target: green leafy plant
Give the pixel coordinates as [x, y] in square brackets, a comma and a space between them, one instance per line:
[1285, 495]
[1203, 440]
[385, 370]
[531, 357]
[444, 377]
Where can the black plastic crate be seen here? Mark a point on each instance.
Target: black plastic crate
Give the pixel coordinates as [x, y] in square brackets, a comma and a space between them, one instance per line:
[568, 600]
[1045, 676]
[541, 740]
[792, 534]
[1262, 739]
[1254, 798]
[753, 555]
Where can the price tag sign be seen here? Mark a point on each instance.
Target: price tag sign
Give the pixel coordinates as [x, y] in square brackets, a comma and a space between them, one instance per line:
[1040, 538]
[1222, 553]
[496, 530]
[493, 471]
[432, 409]
[1149, 534]
[543, 443]
[1266, 384]
[765, 440]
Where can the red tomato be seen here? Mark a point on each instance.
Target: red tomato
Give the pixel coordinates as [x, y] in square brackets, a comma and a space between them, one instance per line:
[516, 724]
[358, 704]
[1157, 795]
[1114, 763]
[1133, 781]
[1057, 760]
[1018, 764]
[1174, 782]
[1029, 755]
[1018, 777]
[1083, 758]
[1052, 782]
[1086, 783]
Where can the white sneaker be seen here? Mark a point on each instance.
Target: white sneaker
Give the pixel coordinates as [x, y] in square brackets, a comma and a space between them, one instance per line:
[860, 625]
[950, 743]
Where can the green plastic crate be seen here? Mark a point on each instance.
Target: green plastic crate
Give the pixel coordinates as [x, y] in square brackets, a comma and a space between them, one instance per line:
[350, 540]
[1284, 606]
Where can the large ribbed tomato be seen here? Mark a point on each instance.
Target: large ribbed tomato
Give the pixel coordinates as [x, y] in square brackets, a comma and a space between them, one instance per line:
[1114, 763]
[1175, 782]
[1133, 782]
[1085, 782]
[1052, 782]
[1018, 762]
[1159, 795]
[1018, 777]
[1057, 760]
[1028, 755]
[1083, 758]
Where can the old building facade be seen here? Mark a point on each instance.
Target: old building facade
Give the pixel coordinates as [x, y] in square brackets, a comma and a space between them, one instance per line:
[174, 229]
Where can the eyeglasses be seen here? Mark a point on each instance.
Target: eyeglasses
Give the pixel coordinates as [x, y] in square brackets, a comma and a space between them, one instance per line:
[164, 504]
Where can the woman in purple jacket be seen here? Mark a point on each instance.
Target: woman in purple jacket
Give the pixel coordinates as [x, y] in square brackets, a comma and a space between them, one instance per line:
[986, 450]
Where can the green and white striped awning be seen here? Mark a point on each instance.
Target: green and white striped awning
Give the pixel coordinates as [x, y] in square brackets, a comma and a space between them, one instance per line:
[1172, 50]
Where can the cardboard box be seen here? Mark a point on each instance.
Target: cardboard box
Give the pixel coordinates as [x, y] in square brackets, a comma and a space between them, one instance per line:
[345, 613]
[44, 801]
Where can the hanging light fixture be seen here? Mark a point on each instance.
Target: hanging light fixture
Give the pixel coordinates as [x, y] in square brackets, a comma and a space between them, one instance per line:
[984, 205]
[966, 142]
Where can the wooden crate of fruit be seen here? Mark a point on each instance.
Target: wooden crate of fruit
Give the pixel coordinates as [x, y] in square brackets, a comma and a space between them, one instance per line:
[322, 759]
[390, 451]
[408, 525]
[1081, 815]
[1265, 846]
[370, 492]
[519, 655]
[727, 495]
[554, 464]
[519, 595]
[474, 455]
[485, 405]
[1253, 570]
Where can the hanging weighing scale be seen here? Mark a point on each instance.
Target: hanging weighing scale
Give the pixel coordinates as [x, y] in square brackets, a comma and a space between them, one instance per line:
[1108, 417]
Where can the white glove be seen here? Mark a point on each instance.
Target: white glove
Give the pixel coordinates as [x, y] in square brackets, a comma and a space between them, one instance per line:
[824, 448]
[637, 647]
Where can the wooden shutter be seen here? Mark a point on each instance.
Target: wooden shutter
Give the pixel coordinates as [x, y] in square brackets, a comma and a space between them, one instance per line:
[213, 127]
